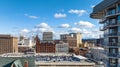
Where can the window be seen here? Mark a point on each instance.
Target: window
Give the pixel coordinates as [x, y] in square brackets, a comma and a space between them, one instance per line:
[118, 19]
[119, 29]
[112, 21]
[111, 11]
[113, 62]
[118, 8]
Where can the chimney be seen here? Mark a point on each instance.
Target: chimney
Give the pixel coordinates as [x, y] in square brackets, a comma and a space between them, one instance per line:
[25, 63]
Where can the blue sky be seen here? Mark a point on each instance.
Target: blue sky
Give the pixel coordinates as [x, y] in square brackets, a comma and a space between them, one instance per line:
[58, 16]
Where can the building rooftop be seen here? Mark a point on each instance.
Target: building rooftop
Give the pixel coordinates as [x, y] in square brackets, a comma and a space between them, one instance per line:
[98, 9]
[100, 48]
[17, 55]
[17, 61]
[80, 57]
[51, 58]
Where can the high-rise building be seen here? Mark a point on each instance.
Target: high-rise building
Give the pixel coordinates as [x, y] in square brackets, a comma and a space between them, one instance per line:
[108, 11]
[73, 39]
[8, 44]
[47, 36]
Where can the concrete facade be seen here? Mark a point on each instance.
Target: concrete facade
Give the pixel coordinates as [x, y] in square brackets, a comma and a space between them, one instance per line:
[62, 48]
[8, 44]
[73, 39]
[47, 36]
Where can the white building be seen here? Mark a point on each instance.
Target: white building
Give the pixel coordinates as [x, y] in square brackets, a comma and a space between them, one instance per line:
[97, 53]
[25, 41]
[62, 48]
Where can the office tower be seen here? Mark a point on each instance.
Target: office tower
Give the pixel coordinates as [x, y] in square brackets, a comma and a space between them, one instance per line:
[47, 36]
[8, 44]
[73, 39]
[108, 11]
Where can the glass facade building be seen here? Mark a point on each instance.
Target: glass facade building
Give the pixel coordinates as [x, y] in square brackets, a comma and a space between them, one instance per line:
[108, 11]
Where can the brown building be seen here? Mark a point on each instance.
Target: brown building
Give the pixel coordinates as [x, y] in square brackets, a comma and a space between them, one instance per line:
[8, 44]
[44, 47]
[73, 39]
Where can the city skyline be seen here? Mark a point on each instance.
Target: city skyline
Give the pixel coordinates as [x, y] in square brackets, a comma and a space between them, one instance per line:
[58, 16]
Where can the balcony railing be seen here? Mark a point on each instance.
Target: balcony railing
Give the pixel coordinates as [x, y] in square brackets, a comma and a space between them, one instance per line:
[101, 21]
[113, 34]
[116, 55]
[102, 28]
[113, 23]
[112, 44]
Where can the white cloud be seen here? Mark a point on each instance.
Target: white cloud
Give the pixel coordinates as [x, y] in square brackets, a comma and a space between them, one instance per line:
[86, 33]
[25, 31]
[41, 30]
[92, 6]
[42, 25]
[78, 12]
[60, 15]
[91, 33]
[84, 24]
[57, 34]
[75, 30]
[64, 26]
[31, 16]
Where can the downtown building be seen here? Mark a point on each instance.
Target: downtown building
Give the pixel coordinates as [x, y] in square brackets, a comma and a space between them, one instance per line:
[73, 39]
[47, 36]
[8, 44]
[108, 11]
[44, 47]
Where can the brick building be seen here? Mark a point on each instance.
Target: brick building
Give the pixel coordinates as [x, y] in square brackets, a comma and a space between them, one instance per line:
[44, 47]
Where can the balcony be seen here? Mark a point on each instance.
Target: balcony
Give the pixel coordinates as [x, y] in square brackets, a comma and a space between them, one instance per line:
[101, 21]
[113, 45]
[111, 15]
[113, 34]
[112, 25]
[105, 35]
[113, 55]
[102, 28]
[97, 11]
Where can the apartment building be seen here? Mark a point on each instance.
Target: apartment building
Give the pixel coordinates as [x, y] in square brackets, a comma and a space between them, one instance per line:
[108, 11]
